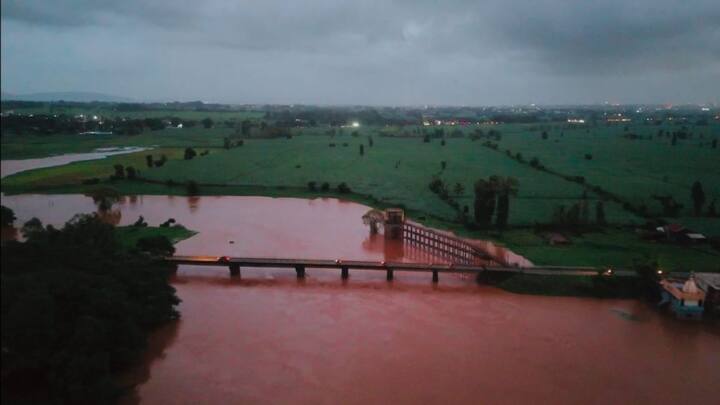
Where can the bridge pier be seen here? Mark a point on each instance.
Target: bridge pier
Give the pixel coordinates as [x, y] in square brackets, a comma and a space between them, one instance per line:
[300, 270]
[436, 278]
[234, 270]
[344, 272]
[389, 275]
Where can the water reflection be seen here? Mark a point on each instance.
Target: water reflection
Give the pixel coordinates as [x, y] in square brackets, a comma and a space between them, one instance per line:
[193, 203]
[267, 338]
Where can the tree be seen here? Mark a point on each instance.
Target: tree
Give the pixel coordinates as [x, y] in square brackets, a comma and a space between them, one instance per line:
[671, 208]
[31, 227]
[192, 188]
[77, 309]
[559, 216]
[443, 165]
[312, 186]
[506, 187]
[600, 213]
[131, 173]
[484, 204]
[119, 172]
[207, 123]
[190, 153]
[714, 144]
[698, 197]
[226, 143]
[160, 162]
[584, 212]
[156, 245]
[362, 150]
[343, 188]
[245, 127]
[140, 223]
[149, 160]
[325, 186]
[544, 135]
[104, 197]
[370, 141]
[7, 216]
[459, 189]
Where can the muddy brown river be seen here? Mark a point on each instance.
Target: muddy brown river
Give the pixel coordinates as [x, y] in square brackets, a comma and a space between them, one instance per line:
[270, 338]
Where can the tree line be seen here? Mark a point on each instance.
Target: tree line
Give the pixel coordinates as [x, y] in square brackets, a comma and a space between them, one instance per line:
[77, 308]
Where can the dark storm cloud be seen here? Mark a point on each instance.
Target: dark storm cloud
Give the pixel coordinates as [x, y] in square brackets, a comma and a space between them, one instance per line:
[610, 35]
[459, 52]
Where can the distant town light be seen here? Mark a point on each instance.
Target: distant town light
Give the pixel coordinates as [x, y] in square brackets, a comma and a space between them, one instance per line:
[576, 121]
[355, 124]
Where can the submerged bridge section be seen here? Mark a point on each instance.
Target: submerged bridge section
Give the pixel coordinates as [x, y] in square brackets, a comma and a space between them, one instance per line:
[234, 264]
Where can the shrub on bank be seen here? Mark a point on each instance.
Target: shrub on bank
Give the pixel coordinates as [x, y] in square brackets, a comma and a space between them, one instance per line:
[343, 188]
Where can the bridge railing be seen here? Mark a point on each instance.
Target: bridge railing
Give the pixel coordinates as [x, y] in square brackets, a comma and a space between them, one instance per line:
[445, 246]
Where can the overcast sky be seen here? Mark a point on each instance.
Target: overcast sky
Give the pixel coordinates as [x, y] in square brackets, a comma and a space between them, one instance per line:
[384, 52]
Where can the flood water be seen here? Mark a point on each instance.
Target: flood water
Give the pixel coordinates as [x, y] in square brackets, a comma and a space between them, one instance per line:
[9, 167]
[268, 337]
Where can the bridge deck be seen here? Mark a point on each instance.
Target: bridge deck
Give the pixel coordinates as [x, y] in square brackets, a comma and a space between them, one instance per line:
[388, 266]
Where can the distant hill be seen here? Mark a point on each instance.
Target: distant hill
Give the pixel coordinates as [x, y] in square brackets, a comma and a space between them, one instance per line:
[76, 96]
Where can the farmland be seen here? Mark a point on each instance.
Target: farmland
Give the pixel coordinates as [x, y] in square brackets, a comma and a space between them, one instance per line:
[396, 171]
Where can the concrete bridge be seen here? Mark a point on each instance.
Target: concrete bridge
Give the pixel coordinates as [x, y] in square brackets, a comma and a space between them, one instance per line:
[463, 256]
[234, 264]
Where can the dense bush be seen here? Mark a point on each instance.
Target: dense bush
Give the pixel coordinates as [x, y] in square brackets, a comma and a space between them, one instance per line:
[343, 188]
[167, 223]
[157, 245]
[76, 309]
[192, 188]
[7, 216]
[189, 153]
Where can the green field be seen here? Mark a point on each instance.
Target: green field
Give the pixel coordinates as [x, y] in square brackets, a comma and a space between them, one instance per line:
[109, 110]
[397, 171]
[128, 236]
[26, 147]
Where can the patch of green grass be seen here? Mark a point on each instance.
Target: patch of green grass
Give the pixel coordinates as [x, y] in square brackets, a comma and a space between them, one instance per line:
[395, 171]
[35, 146]
[75, 173]
[129, 235]
[614, 247]
[633, 169]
